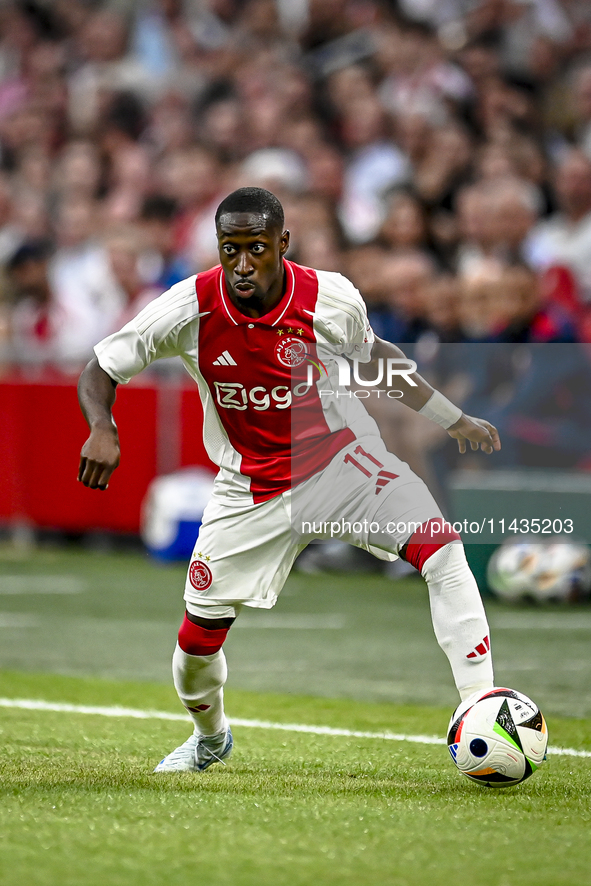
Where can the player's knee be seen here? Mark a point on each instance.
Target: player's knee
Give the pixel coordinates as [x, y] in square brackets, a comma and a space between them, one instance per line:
[203, 638]
[431, 537]
[447, 562]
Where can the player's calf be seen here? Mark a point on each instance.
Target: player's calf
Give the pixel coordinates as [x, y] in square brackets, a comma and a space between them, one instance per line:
[199, 672]
[459, 620]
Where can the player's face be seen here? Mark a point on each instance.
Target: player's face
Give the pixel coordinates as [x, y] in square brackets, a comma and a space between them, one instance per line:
[251, 254]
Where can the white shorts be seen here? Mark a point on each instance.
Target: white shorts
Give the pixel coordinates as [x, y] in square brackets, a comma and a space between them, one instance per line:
[366, 496]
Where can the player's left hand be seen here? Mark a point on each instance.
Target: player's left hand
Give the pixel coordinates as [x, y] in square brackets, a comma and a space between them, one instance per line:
[479, 432]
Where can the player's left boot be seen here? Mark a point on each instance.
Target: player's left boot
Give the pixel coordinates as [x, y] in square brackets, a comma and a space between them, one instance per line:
[213, 749]
[182, 759]
[198, 753]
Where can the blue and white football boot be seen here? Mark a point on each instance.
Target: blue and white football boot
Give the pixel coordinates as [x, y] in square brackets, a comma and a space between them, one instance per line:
[213, 749]
[198, 753]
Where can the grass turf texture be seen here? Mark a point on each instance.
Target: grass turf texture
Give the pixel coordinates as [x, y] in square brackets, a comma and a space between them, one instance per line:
[80, 805]
[355, 636]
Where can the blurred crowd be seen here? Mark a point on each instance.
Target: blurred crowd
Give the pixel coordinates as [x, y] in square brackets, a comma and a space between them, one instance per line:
[437, 152]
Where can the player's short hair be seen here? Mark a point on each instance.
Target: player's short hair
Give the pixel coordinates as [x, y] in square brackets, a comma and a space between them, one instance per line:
[256, 200]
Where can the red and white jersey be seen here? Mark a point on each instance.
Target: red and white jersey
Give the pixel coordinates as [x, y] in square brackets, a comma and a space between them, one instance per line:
[266, 422]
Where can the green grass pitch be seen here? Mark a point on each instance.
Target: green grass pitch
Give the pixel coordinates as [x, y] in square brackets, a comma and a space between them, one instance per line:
[79, 803]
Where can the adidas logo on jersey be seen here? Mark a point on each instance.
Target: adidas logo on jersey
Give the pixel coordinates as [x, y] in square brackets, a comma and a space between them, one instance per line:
[225, 359]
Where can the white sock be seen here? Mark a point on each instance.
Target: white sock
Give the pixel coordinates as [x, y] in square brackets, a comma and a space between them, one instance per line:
[199, 681]
[459, 620]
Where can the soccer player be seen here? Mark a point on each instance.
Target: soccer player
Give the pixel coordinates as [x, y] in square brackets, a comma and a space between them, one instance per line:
[294, 458]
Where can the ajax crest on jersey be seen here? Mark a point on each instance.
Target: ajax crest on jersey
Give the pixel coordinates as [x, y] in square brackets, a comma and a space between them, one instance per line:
[291, 351]
[556, 570]
[499, 740]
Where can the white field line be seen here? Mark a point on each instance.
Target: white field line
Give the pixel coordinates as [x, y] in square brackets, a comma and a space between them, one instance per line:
[42, 584]
[29, 704]
[559, 622]
[14, 620]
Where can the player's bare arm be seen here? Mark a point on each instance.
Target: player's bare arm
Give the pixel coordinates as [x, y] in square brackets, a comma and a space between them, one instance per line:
[478, 432]
[100, 454]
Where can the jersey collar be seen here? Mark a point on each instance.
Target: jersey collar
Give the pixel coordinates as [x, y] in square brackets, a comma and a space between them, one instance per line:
[274, 316]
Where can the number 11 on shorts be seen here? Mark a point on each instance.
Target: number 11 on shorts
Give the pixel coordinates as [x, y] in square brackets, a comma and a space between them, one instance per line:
[384, 477]
[359, 450]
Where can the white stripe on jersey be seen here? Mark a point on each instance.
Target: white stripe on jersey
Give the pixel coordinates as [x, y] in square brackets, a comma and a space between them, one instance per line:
[289, 300]
[223, 297]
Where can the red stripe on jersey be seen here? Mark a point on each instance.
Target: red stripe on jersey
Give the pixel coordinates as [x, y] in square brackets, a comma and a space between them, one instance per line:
[272, 417]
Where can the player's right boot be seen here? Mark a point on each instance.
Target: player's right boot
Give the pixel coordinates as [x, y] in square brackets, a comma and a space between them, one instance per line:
[198, 753]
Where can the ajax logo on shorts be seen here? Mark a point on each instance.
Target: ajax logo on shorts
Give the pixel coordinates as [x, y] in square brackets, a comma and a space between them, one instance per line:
[291, 351]
[200, 575]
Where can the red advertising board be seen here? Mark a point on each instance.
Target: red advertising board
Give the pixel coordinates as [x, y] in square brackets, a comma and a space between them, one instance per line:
[42, 431]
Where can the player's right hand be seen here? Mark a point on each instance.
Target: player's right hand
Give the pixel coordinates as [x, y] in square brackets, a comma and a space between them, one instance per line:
[99, 457]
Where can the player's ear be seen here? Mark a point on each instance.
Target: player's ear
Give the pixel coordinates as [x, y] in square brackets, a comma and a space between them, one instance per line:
[284, 243]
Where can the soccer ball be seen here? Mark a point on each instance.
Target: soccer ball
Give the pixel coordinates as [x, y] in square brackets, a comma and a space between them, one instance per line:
[553, 571]
[499, 740]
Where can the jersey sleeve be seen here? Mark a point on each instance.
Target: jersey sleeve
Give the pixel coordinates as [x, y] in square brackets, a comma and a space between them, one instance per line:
[154, 333]
[341, 319]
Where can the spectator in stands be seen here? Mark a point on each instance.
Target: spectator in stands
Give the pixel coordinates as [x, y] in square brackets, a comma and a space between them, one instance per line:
[165, 266]
[401, 318]
[193, 177]
[441, 296]
[364, 266]
[125, 249]
[565, 237]
[504, 303]
[79, 170]
[40, 329]
[10, 234]
[527, 317]
[477, 226]
[80, 271]
[483, 310]
[582, 103]
[445, 165]
[375, 165]
[515, 205]
[103, 105]
[547, 419]
[405, 224]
